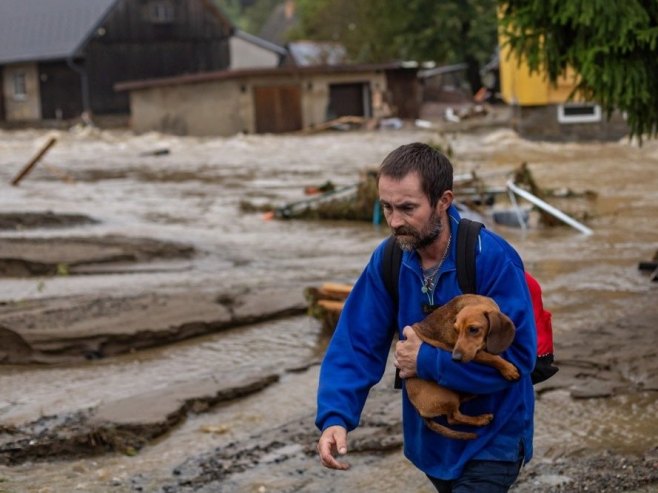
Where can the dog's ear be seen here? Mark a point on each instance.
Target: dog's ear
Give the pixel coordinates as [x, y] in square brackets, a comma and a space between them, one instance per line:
[501, 332]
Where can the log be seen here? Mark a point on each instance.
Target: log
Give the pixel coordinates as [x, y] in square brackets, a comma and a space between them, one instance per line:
[334, 290]
[331, 305]
[33, 162]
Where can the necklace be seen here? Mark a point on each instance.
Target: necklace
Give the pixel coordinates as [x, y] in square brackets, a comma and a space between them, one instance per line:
[430, 276]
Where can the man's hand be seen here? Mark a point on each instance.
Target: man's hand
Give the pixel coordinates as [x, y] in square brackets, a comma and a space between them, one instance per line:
[406, 352]
[332, 441]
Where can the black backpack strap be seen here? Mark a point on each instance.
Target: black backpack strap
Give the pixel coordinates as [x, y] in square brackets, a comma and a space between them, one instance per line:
[467, 239]
[391, 268]
[390, 274]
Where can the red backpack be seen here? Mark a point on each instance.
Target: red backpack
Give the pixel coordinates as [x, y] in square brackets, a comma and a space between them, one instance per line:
[466, 242]
[544, 368]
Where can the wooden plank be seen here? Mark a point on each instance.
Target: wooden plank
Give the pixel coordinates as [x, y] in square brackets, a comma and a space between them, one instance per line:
[28, 167]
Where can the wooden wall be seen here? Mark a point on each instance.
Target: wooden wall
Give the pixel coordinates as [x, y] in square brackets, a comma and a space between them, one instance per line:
[60, 89]
[132, 44]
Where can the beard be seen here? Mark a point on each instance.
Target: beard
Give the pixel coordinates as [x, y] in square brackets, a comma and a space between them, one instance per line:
[410, 239]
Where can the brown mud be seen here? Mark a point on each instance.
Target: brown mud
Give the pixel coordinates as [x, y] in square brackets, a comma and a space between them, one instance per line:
[83, 327]
[123, 426]
[161, 348]
[602, 360]
[285, 454]
[29, 220]
[24, 257]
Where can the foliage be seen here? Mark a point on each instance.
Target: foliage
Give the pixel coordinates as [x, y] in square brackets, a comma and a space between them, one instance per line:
[232, 9]
[248, 15]
[373, 31]
[611, 44]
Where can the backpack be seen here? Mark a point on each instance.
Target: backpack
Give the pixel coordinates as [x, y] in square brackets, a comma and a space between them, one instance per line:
[466, 242]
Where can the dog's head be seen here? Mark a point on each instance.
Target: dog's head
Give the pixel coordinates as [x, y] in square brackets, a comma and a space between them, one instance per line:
[479, 327]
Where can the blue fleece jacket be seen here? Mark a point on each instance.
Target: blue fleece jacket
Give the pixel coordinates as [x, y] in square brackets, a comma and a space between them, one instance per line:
[356, 358]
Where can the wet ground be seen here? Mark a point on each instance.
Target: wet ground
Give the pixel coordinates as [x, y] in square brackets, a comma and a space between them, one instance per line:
[161, 347]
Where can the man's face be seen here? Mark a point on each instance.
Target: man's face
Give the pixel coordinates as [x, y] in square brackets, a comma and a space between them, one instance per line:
[407, 209]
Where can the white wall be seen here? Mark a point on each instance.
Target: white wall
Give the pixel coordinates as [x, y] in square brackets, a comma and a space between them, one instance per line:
[249, 55]
[19, 108]
[190, 109]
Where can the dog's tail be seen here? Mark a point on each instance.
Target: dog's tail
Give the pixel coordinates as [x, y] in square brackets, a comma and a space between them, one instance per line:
[447, 432]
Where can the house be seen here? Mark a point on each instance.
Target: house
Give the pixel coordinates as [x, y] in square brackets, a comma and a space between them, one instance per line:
[546, 111]
[248, 51]
[60, 58]
[270, 100]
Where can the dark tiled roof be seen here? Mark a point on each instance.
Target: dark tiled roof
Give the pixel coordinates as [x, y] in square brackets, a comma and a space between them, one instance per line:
[33, 30]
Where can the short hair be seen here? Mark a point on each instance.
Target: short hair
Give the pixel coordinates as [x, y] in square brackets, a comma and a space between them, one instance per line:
[433, 167]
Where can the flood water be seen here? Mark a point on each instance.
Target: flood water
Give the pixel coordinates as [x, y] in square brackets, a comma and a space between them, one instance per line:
[193, 194]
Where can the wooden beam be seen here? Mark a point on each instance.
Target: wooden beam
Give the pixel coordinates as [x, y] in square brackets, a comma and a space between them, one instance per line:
[33, 162]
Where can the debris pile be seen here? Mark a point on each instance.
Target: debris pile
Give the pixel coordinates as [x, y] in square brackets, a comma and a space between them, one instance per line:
[475, 197]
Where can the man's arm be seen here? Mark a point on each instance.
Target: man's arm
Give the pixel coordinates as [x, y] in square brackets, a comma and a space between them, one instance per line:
[356, 356]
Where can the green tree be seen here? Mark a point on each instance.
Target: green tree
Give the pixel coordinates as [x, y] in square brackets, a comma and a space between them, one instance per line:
[611, 44]
[257, 14]
[248, 15]
[373, 31]
[232, 9]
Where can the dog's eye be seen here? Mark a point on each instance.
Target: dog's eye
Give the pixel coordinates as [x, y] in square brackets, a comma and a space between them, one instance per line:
[473, 330]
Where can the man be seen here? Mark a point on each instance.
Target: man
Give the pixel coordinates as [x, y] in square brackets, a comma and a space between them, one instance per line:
[415, 191]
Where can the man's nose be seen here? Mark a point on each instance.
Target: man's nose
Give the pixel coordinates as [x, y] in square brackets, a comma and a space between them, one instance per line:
[395, 219]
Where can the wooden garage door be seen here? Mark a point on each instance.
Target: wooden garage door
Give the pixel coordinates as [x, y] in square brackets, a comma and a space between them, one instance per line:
[278, 109]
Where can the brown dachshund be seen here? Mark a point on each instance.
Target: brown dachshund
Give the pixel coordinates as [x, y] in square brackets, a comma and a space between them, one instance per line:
[473, 328]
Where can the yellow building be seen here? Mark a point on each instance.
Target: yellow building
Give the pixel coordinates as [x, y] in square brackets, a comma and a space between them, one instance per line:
[519, 86]
[545, 110]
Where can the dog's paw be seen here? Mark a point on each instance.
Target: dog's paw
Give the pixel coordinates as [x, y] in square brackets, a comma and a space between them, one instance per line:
[487, 418]
[511, 373]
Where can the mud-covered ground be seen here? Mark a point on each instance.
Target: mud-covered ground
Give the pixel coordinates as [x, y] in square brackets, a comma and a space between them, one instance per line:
[153, 336]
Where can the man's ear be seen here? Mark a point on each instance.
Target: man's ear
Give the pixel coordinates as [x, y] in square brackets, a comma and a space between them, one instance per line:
[444, 201]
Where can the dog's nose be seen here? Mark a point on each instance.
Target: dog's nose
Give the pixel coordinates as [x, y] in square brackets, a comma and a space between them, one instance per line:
[457, 356]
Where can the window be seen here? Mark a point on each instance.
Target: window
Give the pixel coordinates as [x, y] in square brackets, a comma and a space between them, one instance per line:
[161, 11]
[20, 85]
[578, 113]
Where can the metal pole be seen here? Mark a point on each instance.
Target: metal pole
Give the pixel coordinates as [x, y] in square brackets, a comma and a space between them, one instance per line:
[548, 208]
[517, 209]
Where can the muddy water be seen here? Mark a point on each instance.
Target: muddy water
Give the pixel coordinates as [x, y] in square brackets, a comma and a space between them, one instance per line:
[193, 195]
